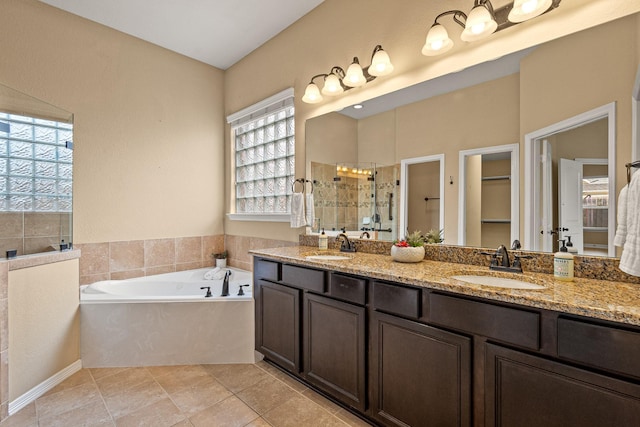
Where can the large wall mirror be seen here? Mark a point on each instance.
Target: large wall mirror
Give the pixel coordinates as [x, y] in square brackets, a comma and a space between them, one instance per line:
[36, 175]
[497, 103]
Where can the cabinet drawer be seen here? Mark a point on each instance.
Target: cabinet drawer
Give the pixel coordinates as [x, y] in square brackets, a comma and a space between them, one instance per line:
[305, 278]
[267, 270]
[396, 299]
[599, 346]
[506, 324]
[348, 288]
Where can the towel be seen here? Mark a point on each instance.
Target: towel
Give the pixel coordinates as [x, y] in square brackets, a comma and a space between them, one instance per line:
[630, 259]
[621, 229]
[215, 274]
[310, 216]
[297, 210]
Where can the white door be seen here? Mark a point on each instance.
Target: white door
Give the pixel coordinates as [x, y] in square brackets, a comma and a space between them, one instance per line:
[546, 214]
[570, 202]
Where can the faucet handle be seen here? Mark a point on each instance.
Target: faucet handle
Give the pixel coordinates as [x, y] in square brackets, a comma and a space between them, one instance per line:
[240, 291]
[493, 255]
[208, 288]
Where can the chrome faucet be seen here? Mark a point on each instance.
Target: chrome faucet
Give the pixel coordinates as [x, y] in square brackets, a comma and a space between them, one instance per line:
[346, 245]
[225, 284]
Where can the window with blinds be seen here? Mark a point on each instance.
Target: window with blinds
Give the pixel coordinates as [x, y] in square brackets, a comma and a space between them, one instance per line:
[264, 153]
[36, 164]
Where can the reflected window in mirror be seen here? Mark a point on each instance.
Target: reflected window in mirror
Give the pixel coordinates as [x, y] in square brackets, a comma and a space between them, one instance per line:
[36, 180]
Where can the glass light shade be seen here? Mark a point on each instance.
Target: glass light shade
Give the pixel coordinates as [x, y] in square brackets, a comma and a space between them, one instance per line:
[527, 9]
[380, 64]
[312, 94]
[332, 85]
[437, 42]
[479, 25]
[354, 76]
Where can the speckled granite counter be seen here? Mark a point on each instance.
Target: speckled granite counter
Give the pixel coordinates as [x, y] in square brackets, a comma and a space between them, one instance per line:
[601, 299]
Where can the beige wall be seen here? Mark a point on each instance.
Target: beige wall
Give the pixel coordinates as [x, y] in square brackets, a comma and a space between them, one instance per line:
[336, 31]
[148, 160]
[43, 323]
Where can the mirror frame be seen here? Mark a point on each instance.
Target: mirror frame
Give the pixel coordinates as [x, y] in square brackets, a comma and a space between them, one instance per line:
[514, 150]
[532, 202]
[404, 189]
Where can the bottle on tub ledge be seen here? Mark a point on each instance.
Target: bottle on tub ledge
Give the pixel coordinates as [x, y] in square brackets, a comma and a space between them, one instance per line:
[563, 264]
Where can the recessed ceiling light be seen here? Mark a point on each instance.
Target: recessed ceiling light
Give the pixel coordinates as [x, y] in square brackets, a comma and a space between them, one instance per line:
[357, 106]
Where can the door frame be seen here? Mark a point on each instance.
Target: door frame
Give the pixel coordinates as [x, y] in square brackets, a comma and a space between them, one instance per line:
[532, 202]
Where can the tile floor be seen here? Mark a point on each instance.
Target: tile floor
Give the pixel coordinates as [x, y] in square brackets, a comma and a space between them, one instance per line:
[194, 395]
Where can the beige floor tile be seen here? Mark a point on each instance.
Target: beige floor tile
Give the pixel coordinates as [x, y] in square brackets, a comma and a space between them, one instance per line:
[183, 423]
[203, 394]
[26, 417]
[93, 414]
[83, 376]
[67, 400]
[260, 422]
[301, 411]
[351, 419]
[291, 382]
[266, 394]
[321, 400]
[236, 377]
[175, 378]
[160, 414]
[123, 380]
[98, 373]
[231, 412]
[133, 398]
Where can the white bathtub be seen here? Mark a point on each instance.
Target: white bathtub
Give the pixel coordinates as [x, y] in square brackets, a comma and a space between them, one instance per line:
[167, 320]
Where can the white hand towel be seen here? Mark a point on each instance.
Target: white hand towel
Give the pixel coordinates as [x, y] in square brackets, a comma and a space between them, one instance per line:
[310, 216]
[297, 210]
[621, 229]
[630, 259]
[215, 274]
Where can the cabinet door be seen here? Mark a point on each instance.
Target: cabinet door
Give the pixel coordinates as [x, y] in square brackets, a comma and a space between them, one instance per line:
[334, 348]
[278, 324]
[421, 376]
[524, 390]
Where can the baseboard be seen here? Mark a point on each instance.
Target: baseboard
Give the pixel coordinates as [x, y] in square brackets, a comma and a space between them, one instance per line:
[44, 387]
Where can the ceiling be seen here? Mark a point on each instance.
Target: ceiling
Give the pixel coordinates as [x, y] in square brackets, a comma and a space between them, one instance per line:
[216, 32]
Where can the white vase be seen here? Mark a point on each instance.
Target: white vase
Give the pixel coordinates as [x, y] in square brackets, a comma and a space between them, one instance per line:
[407, 254]
[221, 262]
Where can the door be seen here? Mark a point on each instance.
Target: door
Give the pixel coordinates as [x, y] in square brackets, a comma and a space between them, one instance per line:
[420, 375]
[570, 215]
[278, 324]
[334, 348]
[546, 216]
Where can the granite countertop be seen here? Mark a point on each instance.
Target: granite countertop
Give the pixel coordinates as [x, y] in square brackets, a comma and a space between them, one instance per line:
[601, 299]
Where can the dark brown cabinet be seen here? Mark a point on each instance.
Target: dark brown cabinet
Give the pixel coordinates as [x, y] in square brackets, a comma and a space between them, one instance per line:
[525, 390]
[334, 348]
[421, 376]
[278, 323]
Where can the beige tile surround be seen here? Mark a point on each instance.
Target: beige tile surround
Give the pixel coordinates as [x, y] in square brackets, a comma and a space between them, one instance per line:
[137, 258]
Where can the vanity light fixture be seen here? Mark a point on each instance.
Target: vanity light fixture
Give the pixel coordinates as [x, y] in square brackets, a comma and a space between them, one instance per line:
[338, 81]
[483, 21]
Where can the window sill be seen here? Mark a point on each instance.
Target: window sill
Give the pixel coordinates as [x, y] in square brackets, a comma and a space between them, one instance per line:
[266, 217]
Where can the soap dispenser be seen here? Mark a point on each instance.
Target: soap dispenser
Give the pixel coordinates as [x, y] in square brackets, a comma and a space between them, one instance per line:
[563, 264]
[323, 241]
[570, 248]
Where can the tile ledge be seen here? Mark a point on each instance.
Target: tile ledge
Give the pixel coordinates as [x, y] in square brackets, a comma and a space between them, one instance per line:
[34, 260]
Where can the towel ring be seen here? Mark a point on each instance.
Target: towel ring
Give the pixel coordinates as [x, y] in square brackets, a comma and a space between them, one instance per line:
[304, 185]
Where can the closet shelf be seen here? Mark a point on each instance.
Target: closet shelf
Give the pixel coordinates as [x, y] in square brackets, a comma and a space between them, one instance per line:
[597, 229]
[495, 221]
[496, 178]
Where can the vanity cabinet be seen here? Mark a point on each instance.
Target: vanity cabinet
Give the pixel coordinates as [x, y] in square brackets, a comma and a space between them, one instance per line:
[421, 376]
[526, 390]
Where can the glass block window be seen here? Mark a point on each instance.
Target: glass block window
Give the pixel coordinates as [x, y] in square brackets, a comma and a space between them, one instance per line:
[36, 164]
[264, 154]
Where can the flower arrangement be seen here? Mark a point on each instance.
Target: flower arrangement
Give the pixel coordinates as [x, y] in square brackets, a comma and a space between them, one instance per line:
[413, 240]
[220, 255]
[433, 236]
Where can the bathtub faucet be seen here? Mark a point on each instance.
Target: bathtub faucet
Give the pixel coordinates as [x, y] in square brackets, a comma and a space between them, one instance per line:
[225, 284]
[208, 288]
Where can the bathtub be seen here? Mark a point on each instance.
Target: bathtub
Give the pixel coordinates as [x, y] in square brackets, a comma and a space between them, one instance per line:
[166, 319]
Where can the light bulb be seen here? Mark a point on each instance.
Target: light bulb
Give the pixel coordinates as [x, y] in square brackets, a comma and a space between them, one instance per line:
[437, 41]
[380, 64]
[312, 94]
[355, 76]
[526, 9]
[480, 24]
[332, 85]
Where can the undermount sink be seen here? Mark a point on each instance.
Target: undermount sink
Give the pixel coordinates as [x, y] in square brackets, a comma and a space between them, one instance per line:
[328, 257]
[499, 282]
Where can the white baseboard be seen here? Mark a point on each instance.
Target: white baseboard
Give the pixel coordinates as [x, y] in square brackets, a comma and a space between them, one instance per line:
[44, 387]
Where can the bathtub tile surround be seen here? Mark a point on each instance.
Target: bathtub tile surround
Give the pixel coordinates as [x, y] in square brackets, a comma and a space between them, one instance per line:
[239, 247]
[193, 395]
[137, 258]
